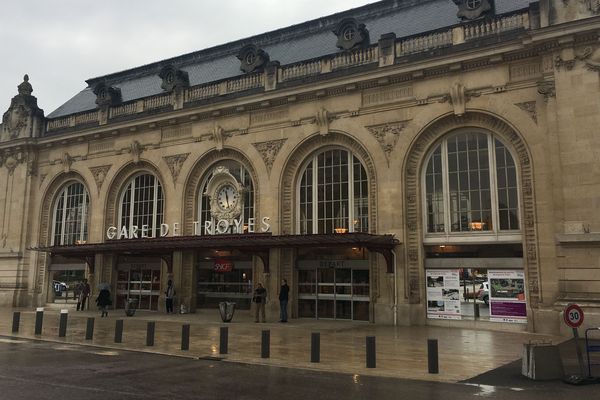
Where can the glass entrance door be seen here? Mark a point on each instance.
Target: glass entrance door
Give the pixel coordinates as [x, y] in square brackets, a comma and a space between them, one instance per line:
[334, 293]
[141, 282]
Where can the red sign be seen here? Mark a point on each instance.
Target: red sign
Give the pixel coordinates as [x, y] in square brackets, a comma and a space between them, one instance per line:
[573, 316]
[223, 266]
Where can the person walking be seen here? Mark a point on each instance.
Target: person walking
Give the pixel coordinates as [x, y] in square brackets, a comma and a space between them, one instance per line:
[103, 300]
[84, 293]
[284, 293]
[260, 298]
[169, 296]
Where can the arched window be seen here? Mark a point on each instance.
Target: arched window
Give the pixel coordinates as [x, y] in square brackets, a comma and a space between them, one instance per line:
[242, 175]
[70, 215]
[142, 204]
[471, 187]
[333, 194]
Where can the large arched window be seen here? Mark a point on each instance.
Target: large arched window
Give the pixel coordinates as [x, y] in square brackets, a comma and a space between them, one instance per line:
[70, 215]
[141, 206]
[333, 195]
[471, 187]
[242, 175]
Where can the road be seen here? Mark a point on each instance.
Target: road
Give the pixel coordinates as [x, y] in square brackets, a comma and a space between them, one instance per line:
[43, 370]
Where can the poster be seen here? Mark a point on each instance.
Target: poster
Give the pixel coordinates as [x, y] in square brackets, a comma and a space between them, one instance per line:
[507, 296]
[443, 294]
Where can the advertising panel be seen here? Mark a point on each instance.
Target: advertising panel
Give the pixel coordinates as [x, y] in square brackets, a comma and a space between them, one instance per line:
[443, 294]
[507, 296]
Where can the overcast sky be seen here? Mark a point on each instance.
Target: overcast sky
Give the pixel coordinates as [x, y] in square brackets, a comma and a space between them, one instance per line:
[61, 43]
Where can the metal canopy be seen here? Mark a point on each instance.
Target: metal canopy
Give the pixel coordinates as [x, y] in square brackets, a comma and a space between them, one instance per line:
[257, 244]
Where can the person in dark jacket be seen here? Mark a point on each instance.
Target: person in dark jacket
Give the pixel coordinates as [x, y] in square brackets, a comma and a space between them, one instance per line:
[103, 301]
[260, 298]
[284, 293]
[169, 295]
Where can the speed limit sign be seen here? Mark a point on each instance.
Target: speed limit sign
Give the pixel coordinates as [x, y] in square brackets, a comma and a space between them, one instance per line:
[573, 316]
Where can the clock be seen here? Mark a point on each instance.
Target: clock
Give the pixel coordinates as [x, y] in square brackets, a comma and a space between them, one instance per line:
[227, 197]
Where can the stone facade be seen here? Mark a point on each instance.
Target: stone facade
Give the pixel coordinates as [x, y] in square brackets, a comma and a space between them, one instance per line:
[529, 81]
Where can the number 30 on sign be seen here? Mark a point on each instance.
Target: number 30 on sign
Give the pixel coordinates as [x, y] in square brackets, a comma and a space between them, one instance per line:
[573, 316]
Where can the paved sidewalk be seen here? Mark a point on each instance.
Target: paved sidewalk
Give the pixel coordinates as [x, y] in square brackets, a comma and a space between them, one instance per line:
[401, 351]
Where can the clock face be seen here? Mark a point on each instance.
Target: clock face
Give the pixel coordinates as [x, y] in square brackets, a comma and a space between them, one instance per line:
[227, 198]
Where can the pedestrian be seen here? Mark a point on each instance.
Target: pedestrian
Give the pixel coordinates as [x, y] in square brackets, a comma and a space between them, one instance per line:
[284, 293]
[169, 295]
[76, 293]
[103, 300]
[84, 292]
[260, 298]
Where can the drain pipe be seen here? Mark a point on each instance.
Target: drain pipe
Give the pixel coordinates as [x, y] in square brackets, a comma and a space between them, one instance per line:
[395, 308]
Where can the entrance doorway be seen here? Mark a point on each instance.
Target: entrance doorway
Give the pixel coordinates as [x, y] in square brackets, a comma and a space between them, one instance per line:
[140, 281]
[224, 280]
[334, 290]
[64, 278]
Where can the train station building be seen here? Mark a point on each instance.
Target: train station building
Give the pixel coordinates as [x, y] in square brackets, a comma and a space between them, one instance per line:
[406, 162]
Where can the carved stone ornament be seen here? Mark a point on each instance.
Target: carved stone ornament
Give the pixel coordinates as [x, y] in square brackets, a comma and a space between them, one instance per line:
[23, 118]
[11, 159]
[459, 99]
[322, 121]
[269, 150]
[474, 9]
[591, 5]
[252, 58]
[387, 135]
[175, 163]
[99, 174]
[591, 58]
[222, 181]
[67, 161]
[136, 150]
[567, 59]
[107, 95]
[547, 89]
[351, 34]
[219, 137]
[173, 78]
[530, 108]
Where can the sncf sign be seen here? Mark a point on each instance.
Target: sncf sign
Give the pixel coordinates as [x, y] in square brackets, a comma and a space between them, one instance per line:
[223, 266]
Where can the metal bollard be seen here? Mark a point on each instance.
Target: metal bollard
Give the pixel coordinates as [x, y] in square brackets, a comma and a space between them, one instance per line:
[265, 351]
[476, 311]
[150, 333]
[315, 347]
[185, 337]
[432, 356]
[89, 329]
[62, 325]
[16, 321]
[39, 320]
[223, 340]
[119, 331]
[371, 354]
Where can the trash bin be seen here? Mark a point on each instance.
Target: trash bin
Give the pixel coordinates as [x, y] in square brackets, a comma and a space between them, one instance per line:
[541, 361]
[226, 308]
[130, 307]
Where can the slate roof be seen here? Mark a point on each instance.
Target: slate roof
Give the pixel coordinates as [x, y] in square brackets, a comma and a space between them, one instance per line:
[305, 41]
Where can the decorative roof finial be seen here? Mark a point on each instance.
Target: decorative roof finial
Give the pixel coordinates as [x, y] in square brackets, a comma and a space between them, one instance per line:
[25, 88]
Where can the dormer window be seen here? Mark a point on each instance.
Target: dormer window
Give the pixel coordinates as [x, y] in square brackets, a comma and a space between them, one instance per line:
[107, 95]
[473, 4]
[252, 58]
[351, 34]
[173, 78]
[474, 9]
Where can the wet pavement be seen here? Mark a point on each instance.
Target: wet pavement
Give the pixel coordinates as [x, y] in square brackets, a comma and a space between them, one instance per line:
[401, 351]
[43, 370]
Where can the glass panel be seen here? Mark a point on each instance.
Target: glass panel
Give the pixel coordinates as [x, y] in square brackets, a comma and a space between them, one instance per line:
[434, 193]
[343, 275]
[343, 309]
[507, 188]
[360, 282]
[326, 308]
[70, 215]
[307, 308]
[361, 310]
[467, 171]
